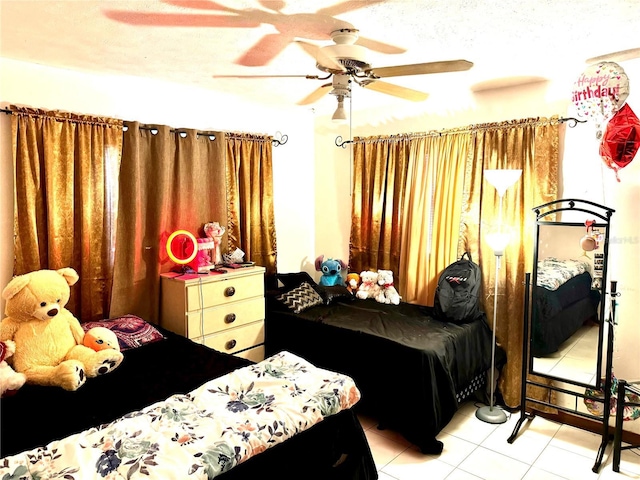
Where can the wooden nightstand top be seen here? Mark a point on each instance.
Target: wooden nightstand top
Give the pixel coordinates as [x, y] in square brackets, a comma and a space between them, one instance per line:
[213, 276]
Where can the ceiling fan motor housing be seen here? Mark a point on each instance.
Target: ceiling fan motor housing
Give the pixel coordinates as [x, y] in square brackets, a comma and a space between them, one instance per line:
[352, 57]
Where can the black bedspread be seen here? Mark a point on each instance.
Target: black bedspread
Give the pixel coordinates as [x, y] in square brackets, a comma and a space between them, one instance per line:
[36, 415]
[559, 313]
[409, 366]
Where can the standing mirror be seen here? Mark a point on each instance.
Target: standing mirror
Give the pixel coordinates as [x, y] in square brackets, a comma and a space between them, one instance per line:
[566, 347]
[568, 289]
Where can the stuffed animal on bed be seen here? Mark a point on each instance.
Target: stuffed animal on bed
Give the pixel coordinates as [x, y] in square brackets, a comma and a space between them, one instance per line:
[331, 271]
[353, 282]
[10, 380]
[388, 293]
[100, 338]
[49, 349]
[369, 287]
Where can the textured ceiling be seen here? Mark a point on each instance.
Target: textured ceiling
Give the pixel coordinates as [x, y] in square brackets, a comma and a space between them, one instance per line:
[190, 41]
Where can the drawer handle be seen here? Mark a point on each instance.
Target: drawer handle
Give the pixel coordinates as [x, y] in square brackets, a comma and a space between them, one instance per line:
[230, 345]
[229, 292]
[230, 318]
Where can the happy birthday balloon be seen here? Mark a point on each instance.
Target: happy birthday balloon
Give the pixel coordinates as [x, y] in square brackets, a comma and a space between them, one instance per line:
[600, 91]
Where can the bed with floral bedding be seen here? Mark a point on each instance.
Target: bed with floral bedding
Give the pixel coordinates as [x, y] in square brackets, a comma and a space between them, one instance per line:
[279, 418]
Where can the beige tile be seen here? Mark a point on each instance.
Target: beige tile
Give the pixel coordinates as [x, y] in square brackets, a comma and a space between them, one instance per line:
[392, 435]
[384, 476]
[577, 441]
[566, 464]
[383, 449]
[468, 428]
[411, 465]
[455, 449]
[467, 409]
[629, 466]
[537, 474]
[539, 426]
[526, 448]
[491, 465]
[458, 474]
[366, 422]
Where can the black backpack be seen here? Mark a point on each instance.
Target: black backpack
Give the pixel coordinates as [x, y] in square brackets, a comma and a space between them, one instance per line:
[457, 296]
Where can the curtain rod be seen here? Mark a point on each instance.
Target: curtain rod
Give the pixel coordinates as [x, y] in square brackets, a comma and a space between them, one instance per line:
[279, 139]
[343, 143]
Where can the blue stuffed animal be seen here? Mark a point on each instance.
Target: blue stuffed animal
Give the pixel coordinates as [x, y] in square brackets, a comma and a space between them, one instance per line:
[330, 269]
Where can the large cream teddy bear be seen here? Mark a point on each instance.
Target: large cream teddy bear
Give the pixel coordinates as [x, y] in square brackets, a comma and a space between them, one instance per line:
[49, 339]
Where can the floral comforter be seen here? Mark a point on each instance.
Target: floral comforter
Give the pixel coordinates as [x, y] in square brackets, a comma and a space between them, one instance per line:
[553, 272]
[198, 435]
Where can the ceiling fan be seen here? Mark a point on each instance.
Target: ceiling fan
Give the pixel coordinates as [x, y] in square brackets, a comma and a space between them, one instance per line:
[345, 63]
[620, 56]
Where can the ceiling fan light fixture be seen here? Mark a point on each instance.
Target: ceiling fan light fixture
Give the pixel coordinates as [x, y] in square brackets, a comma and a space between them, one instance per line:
[340, 115]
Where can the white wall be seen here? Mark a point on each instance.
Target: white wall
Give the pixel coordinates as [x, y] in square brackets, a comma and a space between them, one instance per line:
[131, 98]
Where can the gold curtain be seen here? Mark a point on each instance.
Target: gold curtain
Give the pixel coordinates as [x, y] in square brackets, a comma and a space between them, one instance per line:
[379, 182]
[530, 145]
[66, 169]
[432, 209]
[169, 180]
[251, 224]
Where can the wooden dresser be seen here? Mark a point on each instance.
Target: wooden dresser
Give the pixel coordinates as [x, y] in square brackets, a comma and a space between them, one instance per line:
[223, 311]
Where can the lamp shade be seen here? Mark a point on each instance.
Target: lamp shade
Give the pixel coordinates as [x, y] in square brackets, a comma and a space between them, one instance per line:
[498, 241]
[502, 179]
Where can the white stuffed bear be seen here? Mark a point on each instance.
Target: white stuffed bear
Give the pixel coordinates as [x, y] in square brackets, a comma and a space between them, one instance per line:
[10, 380]
[388, 293]
[369, 287]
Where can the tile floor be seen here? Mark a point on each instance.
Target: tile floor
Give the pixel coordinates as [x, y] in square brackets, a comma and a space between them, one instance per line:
[475, 450]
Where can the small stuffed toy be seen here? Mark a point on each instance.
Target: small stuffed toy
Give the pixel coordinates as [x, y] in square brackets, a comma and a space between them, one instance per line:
[215, 231]
[49, 349]
[10, 380]
[353, 282]
[388, 293]
[369, 287]
[100, 338]
[331, 271]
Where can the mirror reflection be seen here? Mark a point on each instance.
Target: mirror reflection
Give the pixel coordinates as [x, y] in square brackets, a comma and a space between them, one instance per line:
[565, 327]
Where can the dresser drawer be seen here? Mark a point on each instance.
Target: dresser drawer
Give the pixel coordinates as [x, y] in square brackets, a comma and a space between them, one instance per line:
[209, 294]
[230, 315]
[236, 339]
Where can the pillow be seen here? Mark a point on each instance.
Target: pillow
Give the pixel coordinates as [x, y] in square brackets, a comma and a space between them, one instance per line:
[131, 331]
[301, 298]
[335, 293]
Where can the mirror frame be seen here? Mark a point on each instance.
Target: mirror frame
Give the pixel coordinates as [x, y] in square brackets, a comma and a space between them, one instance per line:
[602, 215]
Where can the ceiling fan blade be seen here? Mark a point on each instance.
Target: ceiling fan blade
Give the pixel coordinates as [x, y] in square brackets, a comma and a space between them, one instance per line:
[396, 91]
[620, 56]
[316, 95]
[379, 46]
[422, 68]
[321, 58]
[265, 50]
[179, 20]
[308, 77]
[345, 7]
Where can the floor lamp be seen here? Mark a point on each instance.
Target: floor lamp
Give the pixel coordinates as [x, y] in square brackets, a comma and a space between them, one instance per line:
[497, 239]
